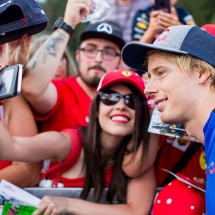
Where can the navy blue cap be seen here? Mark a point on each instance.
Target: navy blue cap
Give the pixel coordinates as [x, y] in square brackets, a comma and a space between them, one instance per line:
[107, 30]
[19, 17]
[181, 39]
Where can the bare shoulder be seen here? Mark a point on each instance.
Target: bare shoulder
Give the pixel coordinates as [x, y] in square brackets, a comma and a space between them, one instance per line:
[132, 163]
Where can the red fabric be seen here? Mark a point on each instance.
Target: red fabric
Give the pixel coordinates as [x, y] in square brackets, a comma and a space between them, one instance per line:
[58, 168]
[210, 28]
[179, 198]
[170, 153]
[122, 76]
[54, 173]
[71, 109]
[150, 102]
[4, 164]
[79, 182]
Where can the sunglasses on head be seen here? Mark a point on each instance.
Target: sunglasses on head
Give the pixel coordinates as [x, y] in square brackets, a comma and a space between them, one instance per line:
[111, 98]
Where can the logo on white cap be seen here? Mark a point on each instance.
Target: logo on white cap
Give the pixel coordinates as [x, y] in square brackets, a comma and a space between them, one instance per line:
[163, 36]
[104, 27]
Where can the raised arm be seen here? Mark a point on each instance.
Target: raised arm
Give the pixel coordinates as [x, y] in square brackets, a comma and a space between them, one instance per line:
[37, 87]
[37, 148]
[20, 122]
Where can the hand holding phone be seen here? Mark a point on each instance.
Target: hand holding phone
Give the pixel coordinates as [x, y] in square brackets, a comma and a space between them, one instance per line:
[163, 5]
[10, 81]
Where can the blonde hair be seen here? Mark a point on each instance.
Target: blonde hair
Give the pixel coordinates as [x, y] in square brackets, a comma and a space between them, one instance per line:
[38, 41]
[186, 63]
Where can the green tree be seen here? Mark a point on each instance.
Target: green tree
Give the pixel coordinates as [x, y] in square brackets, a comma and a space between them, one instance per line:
[202, 10]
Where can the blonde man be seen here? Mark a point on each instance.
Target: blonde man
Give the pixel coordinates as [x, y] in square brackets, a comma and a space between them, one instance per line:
[181, 70]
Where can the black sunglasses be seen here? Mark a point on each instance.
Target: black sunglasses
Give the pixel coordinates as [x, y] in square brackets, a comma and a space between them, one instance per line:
[112, 98]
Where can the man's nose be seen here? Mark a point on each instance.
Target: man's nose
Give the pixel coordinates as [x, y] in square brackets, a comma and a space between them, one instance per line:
[99, 57]
[151, 87]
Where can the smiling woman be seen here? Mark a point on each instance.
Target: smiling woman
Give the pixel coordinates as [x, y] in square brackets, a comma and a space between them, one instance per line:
[119, 117]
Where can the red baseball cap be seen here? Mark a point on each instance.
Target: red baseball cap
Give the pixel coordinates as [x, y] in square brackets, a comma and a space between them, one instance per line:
[122, 76]
[210, 28]
[179, 198]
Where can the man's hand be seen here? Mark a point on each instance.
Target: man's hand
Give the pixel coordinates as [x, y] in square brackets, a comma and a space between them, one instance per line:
[17, 50]
[76, 10]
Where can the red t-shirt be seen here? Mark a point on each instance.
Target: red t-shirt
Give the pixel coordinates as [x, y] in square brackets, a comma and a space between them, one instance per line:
[71, 109]
[54, 173]
[169, 154]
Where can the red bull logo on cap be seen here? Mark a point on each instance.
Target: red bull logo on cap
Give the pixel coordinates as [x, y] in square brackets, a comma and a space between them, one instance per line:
[163, 36]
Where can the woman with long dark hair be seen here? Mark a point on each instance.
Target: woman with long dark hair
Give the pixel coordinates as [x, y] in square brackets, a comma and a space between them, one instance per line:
[93, 156]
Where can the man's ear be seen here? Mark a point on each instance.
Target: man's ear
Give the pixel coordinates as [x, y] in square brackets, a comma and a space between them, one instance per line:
[204, 76]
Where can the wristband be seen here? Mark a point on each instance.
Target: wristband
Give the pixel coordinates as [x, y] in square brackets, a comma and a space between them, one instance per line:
[59, 23]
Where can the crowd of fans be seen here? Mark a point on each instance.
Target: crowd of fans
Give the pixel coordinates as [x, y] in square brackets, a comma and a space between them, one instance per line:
[87, 125]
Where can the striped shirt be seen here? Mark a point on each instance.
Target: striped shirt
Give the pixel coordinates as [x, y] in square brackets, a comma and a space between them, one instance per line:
[123, 14]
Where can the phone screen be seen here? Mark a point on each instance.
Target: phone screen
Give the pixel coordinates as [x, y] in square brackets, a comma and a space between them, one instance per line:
[10, 81]
[6, 81]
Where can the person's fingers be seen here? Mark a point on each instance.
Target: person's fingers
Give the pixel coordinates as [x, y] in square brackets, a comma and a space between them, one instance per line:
[48, 211]
[41, 209]
[154, 13]
[85, 9]
[161, 27]
[168, 19]
[164, 18]
[165, 22]
[173, 11]
[200, 180]
[88, 3]
[36, 212]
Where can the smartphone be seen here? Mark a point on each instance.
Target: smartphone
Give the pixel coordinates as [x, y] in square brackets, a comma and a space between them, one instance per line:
[163, 5]
[10, 81]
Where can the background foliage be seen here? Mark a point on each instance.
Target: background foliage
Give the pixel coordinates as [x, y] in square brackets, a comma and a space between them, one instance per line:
[203, 12]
